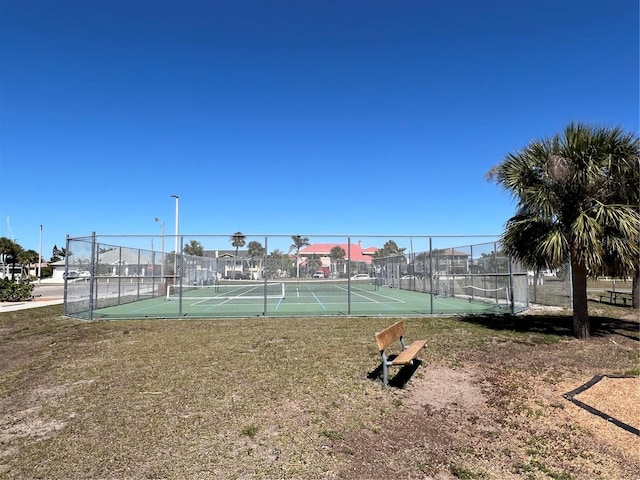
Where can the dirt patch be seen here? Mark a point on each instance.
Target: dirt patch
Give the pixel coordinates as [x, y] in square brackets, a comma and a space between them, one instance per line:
[445, 388]
[503, 416]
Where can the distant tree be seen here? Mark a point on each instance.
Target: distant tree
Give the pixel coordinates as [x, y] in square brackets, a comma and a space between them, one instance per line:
[238, 240]
[490, 262]
[278, 263]
[10, 252]
[194, 248]
[388, 249]
[577, 198]
[58, 253]
[298, 243]
[337, 256]
[255, 250]
[314, 262]
[28, 257]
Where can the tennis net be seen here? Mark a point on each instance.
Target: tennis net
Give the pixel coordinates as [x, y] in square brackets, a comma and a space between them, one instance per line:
[217, 291]
[497, 295]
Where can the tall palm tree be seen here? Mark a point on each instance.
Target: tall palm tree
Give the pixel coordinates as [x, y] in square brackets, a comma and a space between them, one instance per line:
[10, 252]
[298, 242]
[238, 240]
[28, 258]
[337, 256]
[388, 249]
[577, 201]
[255, 249]
[194, 248]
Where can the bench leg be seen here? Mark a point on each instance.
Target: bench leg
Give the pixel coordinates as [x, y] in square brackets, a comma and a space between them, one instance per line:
[385, 373]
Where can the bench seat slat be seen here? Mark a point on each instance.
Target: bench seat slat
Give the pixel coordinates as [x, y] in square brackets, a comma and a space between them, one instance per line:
[411, 352]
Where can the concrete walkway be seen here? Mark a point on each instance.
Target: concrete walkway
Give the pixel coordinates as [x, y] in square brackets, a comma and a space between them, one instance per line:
[46, 293]
[13, 306]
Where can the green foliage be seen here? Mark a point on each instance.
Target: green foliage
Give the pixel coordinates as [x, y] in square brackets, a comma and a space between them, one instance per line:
[313, 263]
[464, 473]
[577, 196]
[194, 248]
[255, 249]
[298, 242]
[337, 256]
[577, 199]
[250, 431]
[15, 291]
[332, 435]
[388, 249]
[10, 252]
[238, 240]
[278, 263]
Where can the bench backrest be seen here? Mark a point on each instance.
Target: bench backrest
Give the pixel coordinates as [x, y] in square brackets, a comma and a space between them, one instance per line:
[390, 335]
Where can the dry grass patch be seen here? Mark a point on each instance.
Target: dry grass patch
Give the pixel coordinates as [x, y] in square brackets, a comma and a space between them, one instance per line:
[291, 398]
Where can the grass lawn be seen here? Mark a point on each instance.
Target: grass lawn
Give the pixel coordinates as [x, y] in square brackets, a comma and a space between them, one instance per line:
[296, 398]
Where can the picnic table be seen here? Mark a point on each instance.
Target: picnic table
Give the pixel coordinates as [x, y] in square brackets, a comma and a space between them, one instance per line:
[624, 295]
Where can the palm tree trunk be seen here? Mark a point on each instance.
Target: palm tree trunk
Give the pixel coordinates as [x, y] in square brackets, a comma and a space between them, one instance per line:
[581, 325]
[635, 290]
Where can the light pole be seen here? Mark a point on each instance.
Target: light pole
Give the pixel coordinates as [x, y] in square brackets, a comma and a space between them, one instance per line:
[162, 247]
[175, 258]
[40, 259]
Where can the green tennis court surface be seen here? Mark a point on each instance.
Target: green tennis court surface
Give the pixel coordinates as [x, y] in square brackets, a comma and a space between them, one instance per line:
[293, 298]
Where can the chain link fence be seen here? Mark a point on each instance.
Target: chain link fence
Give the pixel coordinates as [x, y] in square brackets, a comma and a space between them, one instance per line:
[133, 276]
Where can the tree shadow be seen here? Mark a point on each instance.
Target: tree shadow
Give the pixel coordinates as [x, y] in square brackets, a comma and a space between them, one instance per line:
[558, 325]
[401, 377]
[606, 326]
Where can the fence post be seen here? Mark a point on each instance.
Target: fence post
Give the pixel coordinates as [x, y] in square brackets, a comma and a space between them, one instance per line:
[93, 278]
[349, 275]
[66, 270]
[431, 273]
[181, 274]
[511, 301]
[264, 274]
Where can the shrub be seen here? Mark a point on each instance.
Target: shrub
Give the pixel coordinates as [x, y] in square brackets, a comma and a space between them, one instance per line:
[15, 291]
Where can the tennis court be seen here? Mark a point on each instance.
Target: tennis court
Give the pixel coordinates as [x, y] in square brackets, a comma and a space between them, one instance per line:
[333, 276]
[298, 298]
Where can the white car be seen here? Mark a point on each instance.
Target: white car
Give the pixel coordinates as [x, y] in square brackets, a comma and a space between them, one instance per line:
[318, 274]
[361, 276]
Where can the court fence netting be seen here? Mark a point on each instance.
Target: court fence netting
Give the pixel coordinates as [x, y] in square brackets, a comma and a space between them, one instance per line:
[222, 276]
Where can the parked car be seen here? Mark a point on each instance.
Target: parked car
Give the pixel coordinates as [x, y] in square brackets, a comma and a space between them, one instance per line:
[318, 274]
[361, 276]
[237, 276]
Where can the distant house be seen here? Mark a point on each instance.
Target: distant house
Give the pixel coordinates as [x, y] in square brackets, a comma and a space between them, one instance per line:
[354, 252]
[35, 268]
[449, 261]
[116, 262]
[227, 265]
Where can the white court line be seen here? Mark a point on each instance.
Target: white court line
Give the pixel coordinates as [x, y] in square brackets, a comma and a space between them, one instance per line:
[394, 299]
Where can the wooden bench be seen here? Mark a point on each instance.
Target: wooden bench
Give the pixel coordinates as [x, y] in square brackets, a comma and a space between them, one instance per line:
[407, 354]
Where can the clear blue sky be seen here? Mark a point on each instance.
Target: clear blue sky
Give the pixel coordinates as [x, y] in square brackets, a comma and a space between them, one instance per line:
[292, 117]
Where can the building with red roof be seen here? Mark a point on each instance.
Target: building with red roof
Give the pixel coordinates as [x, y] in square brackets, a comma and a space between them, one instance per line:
[353, 252]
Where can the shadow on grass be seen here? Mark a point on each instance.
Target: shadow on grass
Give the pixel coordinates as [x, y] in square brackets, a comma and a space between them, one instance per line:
[401, 377]
[557, 325]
